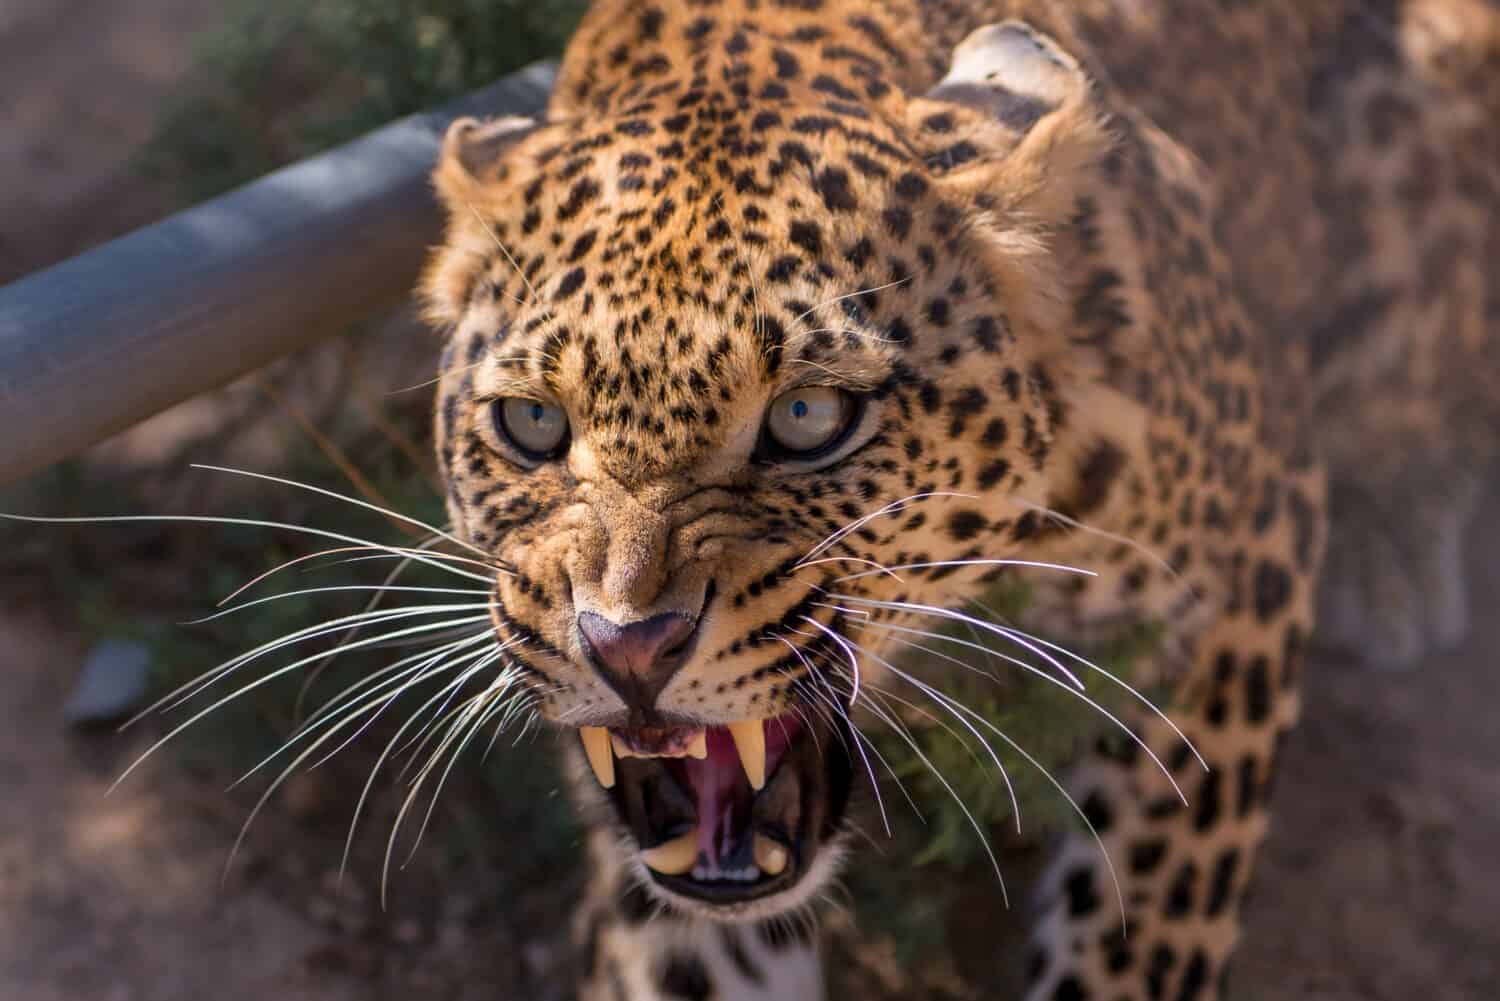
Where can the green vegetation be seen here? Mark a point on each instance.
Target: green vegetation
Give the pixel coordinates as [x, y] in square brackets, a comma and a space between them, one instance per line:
[286, 78]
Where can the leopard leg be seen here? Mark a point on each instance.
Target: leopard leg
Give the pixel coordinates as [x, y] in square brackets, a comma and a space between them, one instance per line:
[1168, 926]
[631, 949]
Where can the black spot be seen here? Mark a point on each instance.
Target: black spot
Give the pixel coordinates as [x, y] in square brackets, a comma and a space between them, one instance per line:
[1097, 473]
[897, 219]
[741, 959]
[582, 246]
[964, 524]
[1180, 893]
[993, 473]
[1070, 989]
[911, 186]
[1097, 811]
[787, 66]
[1145, 856]
[570, 283]
[1248, 785]
[833, 185]
[1222, 882]
[783, 268]
[806, 235]
[685, 976]
[1194, 978]
[1206, 804]
[1157, 968]
[1257, 691]
[583, 192]
[1273, 588]
[1082, 898]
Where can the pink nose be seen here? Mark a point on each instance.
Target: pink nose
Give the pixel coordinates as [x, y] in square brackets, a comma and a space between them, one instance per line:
[636, 659]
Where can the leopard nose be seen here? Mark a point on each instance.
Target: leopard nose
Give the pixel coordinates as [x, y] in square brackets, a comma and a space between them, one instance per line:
[637, 659]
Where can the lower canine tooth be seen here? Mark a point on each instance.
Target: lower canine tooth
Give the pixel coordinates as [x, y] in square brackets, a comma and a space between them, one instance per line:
[770, 855]
[675, 857]
[750, 740]
[699, 747]
[600, 754]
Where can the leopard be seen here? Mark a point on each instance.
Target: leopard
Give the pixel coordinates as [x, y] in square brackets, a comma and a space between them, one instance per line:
[791, 326]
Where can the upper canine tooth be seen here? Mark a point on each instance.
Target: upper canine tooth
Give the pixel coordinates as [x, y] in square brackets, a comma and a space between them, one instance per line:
[770, 855]
[675, 857]
[600, 754]
[699, 746]
[750, 740]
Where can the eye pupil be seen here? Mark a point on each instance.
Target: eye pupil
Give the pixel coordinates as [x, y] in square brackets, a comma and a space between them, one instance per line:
[799, 409]
[538, 412]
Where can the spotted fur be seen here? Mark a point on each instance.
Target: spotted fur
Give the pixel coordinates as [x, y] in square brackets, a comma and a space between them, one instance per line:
[1116, 281]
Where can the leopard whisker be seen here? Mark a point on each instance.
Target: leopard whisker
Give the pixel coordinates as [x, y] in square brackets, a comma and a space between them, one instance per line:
[954, 705]
[405, 685]
[948, 703]
[881, 714]
[849, 295]
[190, 689]
[1080, 695]
[816, 674]
[484, 223]
[420, 557]
[1123, 540]
[1115, 679]
[378, 509]
[381, 552]
[849, 650]
[246, 689]
[381, 588]
[894, 507]
[486, 705]
[937, 611]
[282, 777]
[1031, 564]
[852, 559]
[352, 702]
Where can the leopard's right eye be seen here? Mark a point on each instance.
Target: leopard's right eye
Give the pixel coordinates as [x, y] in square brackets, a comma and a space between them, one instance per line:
[535, 429]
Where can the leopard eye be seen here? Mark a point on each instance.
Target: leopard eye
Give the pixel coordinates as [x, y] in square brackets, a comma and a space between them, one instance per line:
[804, 423]
[536, 429]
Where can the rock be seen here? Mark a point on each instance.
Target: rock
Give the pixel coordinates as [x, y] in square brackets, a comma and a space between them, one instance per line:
[114, 683]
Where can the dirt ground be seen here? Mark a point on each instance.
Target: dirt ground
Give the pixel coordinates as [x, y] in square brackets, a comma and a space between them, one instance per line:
[1381, 881]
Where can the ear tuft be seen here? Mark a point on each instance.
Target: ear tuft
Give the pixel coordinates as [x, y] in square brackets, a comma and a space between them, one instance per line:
[472, 150]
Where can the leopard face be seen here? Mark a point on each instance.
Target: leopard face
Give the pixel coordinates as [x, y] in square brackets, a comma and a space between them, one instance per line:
[730, 378]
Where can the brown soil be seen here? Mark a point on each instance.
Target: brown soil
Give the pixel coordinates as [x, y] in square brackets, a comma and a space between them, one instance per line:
[1381, 880]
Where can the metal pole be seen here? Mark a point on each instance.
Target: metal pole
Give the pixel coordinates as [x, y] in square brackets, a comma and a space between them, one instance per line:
[110, 337]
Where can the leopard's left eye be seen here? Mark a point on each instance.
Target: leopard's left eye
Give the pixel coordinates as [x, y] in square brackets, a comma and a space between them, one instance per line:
[536, 429]
[808, 422]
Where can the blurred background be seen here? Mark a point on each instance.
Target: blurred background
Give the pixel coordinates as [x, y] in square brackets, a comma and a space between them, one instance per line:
[1381, 876]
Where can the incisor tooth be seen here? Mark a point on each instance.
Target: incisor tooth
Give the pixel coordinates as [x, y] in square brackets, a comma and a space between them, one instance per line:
[675, 857]
[600, 754]
[750, 740]
[699, 747]
[770, 855]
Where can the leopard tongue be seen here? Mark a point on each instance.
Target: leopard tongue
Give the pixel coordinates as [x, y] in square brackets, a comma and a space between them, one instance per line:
[718, 786]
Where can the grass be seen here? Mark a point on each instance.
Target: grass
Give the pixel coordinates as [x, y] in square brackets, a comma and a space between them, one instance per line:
[286, 78]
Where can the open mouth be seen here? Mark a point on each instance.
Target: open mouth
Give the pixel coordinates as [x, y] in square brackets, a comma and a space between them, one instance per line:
[725, 814]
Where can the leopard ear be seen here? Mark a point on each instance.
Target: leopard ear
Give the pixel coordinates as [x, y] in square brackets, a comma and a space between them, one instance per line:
[473, 155]
[468, 178]
[1016, 122]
